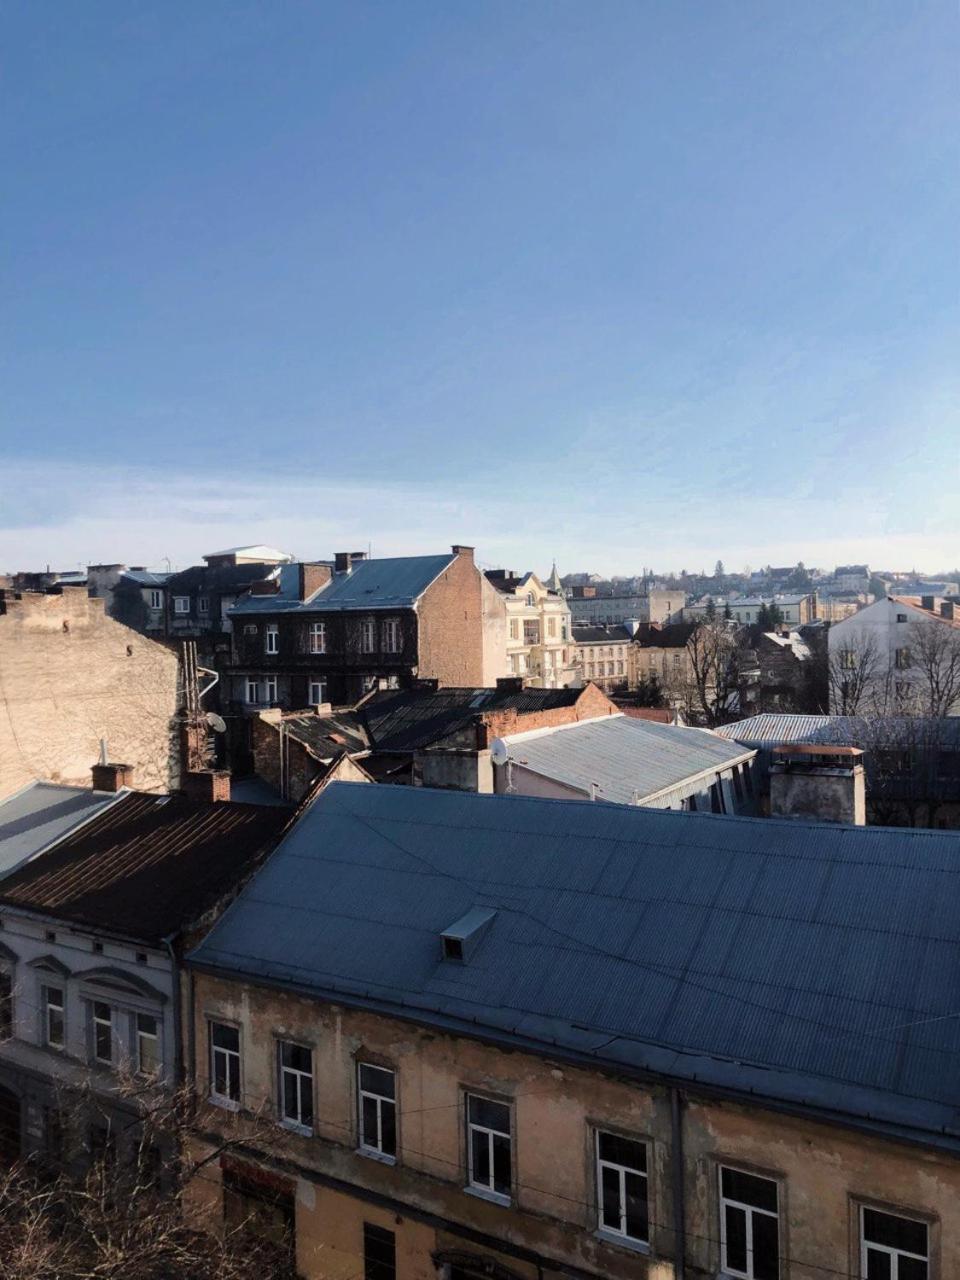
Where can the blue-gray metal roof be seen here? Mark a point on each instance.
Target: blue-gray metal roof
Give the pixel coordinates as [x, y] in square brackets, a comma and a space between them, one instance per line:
[799, 962]
[39, 814]
[771, 729]
[145, 577]
[395, 583]
[627, 758]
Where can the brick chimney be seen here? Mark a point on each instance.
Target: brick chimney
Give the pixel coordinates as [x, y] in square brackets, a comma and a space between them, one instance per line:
[343, 561]
[210, 785]
[509, 684]
[312, 578]
[466, 552]
[946, 609]
[928, 602]
[112, 777]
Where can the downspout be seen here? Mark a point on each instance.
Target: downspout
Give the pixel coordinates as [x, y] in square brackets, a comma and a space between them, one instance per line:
[679, 1208]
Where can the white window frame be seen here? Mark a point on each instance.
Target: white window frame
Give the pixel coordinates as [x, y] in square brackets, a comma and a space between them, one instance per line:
[892, 1253]
[203, 605]
[391, 635]
[380, 1100]
[61, 1008]
[317, 637]
[252, 688]
[622, 1170]
[317, 684]
[96, 1022]
[156, 599]
[224, 1100]
[368, 635]
[487, 1190]
[270, 689]
[140, 1036]
[271, 638]
[749, 1210]
[303, 1081]
[181, 604]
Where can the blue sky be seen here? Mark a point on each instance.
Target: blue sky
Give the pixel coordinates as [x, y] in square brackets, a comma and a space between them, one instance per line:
[621, 283]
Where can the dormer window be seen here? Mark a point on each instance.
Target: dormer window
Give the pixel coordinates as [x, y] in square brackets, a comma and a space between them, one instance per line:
[530, 600]
[461, 939]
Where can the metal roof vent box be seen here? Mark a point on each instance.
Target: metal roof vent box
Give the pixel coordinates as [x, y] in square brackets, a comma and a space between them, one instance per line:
[461, 939]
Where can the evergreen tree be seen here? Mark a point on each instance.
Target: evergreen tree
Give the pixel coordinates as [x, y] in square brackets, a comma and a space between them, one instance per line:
[711, 613]
[775, 615]
[763, 618]
[727, 612]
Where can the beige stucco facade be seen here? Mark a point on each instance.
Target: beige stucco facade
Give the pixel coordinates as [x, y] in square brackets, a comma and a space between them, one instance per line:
[824, 1172]
[538, 636]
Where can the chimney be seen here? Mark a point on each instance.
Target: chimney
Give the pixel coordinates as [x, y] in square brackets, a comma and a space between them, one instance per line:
[209, 785]
[509, 684]
[343, 561]
[313, 577]
[946, 609]
[466, 552]
[928, 602]
[111, 777]
[823, 783]
[357, 556]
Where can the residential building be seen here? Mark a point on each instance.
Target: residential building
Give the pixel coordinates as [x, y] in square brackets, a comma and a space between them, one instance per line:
[852, 577]
[517, 1038]
[893, 664]
[655, 605]
[318, 634]
[93, 928]
[626, 760]
[795, 610]
[603, 655]
[774, 672]
[139, 600]
[72, 676]
[538, 630]
[662, 654]
[199, 601]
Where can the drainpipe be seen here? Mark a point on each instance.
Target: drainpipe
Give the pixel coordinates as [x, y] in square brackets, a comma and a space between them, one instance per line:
[679, 1214]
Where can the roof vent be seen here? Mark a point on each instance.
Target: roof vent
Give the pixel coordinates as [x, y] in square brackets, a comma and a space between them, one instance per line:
[461, 939]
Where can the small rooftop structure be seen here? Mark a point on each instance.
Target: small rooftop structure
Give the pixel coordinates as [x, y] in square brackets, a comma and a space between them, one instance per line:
[256, 554]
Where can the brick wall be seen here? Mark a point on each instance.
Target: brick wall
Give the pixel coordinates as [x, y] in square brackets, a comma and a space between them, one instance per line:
[453, 614]
[592, 702]
[70, 676]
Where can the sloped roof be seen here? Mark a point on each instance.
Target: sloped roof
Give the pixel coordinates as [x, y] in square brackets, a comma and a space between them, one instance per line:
[625, 757]
[224, 577]
[147, 865]
[802, 962]
[770, 729]
[257, 552]
[673, 636]
[145, 577]
[39, 814]
[612, 634]
[395, 583]
[326, 737]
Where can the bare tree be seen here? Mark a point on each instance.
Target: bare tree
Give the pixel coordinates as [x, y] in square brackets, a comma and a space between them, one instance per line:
[714, 652]
[934, 666]
[854, 672]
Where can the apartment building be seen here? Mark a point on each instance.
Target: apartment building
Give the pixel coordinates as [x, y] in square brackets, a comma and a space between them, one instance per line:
[661, 655]
[489, 1036]
[538, 630]
[795, 610]
[603, 654]
[661, 605]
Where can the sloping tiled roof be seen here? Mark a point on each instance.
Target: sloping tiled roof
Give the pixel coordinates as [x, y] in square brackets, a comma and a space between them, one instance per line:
[403, 720]
[624, 756]
[226, 577]
[327, 736]
[146, 866]
[673, 636]
[371, 584]
[36, 816]
[613, 634]
[801, 962]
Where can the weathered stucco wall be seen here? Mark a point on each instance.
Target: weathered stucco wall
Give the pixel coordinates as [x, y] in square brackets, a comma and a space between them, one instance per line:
[825, 1169]
[70, 676]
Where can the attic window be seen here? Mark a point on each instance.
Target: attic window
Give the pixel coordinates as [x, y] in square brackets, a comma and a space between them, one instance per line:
[459, 941]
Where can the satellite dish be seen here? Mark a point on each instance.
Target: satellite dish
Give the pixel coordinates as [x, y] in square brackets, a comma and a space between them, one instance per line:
[216, 723]
[499, 752]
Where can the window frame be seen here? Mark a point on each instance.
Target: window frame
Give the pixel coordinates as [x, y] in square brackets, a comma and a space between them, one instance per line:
[377, 1152]
[749, 1211]
[368, 635]
[252, 683]
[139, 1035]
[864, 1206]
[181, 605]
[317, 637]
[203, 605]
[472, 1187]
[8, 1013]
[316, 682]
[271, 639]
[270, 689]
[156, 599]
[376, 1268]
[296, 1124]
[97, 1022]
[611, 1233]
[48, 1040]
[218, 1099]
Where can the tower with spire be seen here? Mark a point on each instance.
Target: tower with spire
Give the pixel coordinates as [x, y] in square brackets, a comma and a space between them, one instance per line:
[553, 583]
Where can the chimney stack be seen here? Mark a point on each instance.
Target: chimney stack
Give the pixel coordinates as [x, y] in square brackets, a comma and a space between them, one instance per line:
[312, 578]
[928, 602]
[824, 783]
[111, 777]
[343, 560]
[459, 550]
[946, 609]
[209, 785]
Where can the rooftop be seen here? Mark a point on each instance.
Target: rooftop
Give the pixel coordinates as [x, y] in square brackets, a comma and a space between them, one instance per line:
[804, 963]
[612, 634]
[256, 552]
[771, 729]
[147, 865]
[631, 760]
[394, 583]
[39, 814]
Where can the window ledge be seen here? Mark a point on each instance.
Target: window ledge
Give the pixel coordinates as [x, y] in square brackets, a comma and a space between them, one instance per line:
[226, 1104]
[292, 1126]
[624, 1242]
[380, 1156]
[495, 1197]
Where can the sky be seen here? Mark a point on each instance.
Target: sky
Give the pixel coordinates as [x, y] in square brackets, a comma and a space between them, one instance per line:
[616, 284]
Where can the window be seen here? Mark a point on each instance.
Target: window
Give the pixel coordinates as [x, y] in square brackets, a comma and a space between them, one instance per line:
[156, 599]
[224, 1064]
[318, 691]
[848, 660]
[296, 1085]
[271, 638]
[181, 604]
[530, 600]
[902, 658]
[263, 1212]
[250, 629]
[203, 604]
[253, 689]
[6, 1005]
[148, 1044]
[368, 636]
[270, 688]
[391, 636]
[622, 1187]
[54, 1022]
[318, 637]
[891, 1247]
[551, 626]
[377, 1096]
[488, 1146]
[102, 1031]
[749, 1226]
[514, 628]
[379, 1253]
[901, 617]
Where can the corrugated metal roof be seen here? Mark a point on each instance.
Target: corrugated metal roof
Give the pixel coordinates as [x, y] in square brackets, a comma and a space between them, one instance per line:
[770, 729]
[626, 757]
[145, 577]
[36, 816]
[371, 584]
[807, 962]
